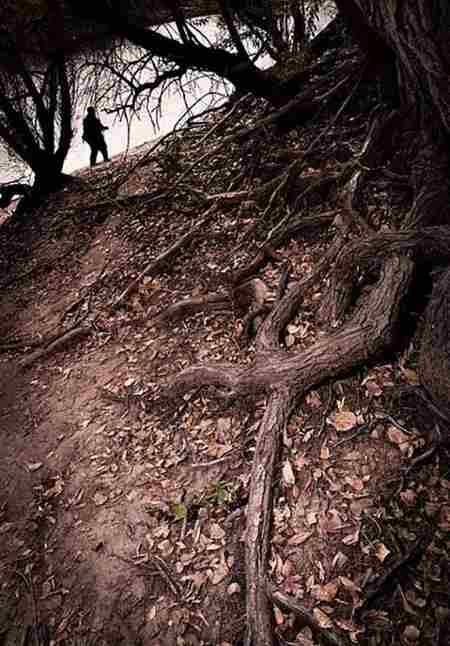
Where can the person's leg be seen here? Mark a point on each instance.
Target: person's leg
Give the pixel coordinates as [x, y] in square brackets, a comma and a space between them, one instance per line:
[104, 150]
[94, 151]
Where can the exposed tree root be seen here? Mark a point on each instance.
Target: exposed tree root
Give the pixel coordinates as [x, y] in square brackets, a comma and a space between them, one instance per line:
[166, 255]
[434, 357]
[430, 242]
[417, 548]
[305, 618]
[188, 306]
[259, 517]
[370, 331]
[56, 344]
[264, 255]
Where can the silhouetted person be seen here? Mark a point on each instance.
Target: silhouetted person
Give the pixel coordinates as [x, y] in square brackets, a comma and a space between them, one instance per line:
[93, 135]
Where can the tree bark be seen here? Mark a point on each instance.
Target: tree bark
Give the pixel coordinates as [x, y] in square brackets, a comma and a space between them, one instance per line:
[414, 36]
[434, 357]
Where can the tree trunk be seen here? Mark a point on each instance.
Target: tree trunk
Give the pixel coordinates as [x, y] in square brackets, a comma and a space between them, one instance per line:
[414, 35]
[434, 360]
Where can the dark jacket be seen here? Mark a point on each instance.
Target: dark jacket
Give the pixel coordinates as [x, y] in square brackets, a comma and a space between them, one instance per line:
[93, 129]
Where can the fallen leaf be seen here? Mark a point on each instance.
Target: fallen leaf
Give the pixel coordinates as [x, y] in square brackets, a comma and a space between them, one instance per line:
[408, 496]
[34, 466]
[220, 572]
[223, 424]
[289, 340]
[288, 474]
[299, 538]
[100, 498]
[325, 592]
[410, 375]
[381, 552]
[311, 518]
[324, 453]
[351, 539]
[216, 532]
[355, 483]
[5, 527]
[279, 617]
[322, 619]
[343, 420]
[444, 519]
[339, 560]
[396, 436]
[313, 400]
[411, 634]
[233, 588]
[373, 389]
[351, 587]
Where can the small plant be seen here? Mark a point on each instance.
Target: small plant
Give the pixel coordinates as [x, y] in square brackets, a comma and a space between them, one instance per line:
[220, 493]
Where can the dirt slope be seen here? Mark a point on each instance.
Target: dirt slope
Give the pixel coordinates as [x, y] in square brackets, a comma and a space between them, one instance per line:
[123, 522]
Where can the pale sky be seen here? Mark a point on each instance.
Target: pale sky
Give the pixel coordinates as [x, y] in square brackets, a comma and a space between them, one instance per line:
[141, 129]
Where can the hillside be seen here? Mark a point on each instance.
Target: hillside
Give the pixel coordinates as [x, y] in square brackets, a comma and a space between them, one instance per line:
[124, 492]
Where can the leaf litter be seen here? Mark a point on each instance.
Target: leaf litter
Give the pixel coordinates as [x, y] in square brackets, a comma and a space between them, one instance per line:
[128, 521]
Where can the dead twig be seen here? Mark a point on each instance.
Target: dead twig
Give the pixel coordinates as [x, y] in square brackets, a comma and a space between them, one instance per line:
[412, 553]
[192, 305]
[305, 617]
[166, 255]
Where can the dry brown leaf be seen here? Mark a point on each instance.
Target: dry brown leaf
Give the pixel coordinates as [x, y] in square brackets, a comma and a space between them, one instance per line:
[396, 436]
[311, 518]
[351, 539]
[219, 573]
[166, 547]
[343, 420]
[351, 587]
[216, 532]
[322, 619]
[287, 568]
[34, 466]
[6, 527]
[408, 496]
[313, 400]
[373, 389]
[299, 538]
[444, 519]
[410, 375]
[339, 560]
[381, 552]
[288, 474]
[332, 521]
[301, 461]
[355, 483]
[233, 588]
[100, 498]
[224, 424]
[279, 617]
[289, 340]
[411, 634]
[325, 592]
[324, 452]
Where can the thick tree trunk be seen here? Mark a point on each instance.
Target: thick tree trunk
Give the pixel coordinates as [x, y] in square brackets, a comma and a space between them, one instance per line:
[434, 359]
[415, 36]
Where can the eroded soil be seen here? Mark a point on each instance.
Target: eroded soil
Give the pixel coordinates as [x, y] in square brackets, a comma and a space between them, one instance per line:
[123, 522]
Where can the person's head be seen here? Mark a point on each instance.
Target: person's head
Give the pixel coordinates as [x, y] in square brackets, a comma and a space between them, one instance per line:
[91, 111]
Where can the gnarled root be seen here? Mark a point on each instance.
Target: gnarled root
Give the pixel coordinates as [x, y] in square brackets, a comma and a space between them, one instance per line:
[434, 358]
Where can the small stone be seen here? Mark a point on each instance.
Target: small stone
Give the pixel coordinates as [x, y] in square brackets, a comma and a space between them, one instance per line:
[233, 588]
[411, 634]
